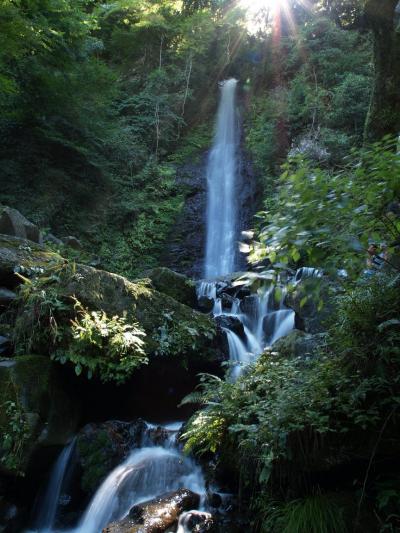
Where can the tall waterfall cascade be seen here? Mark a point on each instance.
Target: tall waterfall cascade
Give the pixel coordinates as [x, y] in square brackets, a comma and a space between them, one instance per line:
[222, 177]
[263, 319]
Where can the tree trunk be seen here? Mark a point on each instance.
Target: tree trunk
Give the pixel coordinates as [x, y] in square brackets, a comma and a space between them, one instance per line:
[384, 113]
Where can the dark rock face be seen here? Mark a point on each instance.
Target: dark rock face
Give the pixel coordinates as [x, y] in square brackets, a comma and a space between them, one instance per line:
[101, 447]
[156, 516]
[184, 252]
[12, 222]
[49, 415]
[186, 249]
[313, 302]
[230, 322]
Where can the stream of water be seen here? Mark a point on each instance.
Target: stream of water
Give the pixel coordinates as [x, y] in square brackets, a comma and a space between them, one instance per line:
[222, 172]
[153, 469]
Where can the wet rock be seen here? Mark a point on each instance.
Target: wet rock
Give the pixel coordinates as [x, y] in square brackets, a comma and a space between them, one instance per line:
[196, 522]
[299, 344]
[214, 500]
[178, 286]
[12, 517]
[101, 447]
[205, 304]
[31, 388]
[5, 346]
[6, 297]
[72, 242]
[227, 301]
[248, 304]
[12, 222]
[231, 322]
[157, 515]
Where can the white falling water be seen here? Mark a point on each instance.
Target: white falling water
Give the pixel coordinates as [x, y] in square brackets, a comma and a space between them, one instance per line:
[145, 474]
[48, 507]
[222, 215]
[264, 322]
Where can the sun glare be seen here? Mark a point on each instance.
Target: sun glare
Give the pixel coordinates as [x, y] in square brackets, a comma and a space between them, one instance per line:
[262, 12]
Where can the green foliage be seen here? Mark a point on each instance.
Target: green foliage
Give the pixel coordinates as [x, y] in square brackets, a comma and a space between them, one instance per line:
[314, 514]
[331, 216]
[174, 337]
[109, 347]
[14, 435]
[286, 416]
[50, 322]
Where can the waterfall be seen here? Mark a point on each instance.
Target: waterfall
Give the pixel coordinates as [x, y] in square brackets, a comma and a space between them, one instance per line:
[48, 507]
[146, 473]
[222, 215]
[264, 321]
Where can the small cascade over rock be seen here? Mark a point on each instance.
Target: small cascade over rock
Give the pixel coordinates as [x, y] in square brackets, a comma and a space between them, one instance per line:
[46, 515]
[157, 467]
[264, 318]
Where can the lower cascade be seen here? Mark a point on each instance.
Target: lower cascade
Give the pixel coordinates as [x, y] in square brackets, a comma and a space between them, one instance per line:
[147, 473]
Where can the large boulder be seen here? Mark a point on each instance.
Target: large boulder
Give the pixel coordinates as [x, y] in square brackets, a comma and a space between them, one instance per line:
[157, 515]
[298, 344]
[171, 328]
[313, 301]
[178, 286]
[36, 410]
[26, 257]
[101, 447]
[12, 222]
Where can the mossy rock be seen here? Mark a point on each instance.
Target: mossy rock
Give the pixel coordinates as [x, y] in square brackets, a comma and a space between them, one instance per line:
[16, 253]
[161, 316]
[298, 344]
[101, 447]
[178, 286]
[35, 410]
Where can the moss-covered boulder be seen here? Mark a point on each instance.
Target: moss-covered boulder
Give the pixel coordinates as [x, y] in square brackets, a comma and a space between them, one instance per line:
[171, 327]
[298, 344]
[46, 307]
[101, 447]
[24, 256]
[178, 286]
[35, 410]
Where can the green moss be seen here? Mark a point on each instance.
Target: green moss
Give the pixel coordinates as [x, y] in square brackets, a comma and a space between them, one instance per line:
[96, 457]
[31, 400]
[178, 286]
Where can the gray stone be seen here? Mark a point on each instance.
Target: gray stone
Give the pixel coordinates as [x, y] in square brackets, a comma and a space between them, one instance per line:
[53, 239]
[72, 242]
[12, 222]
